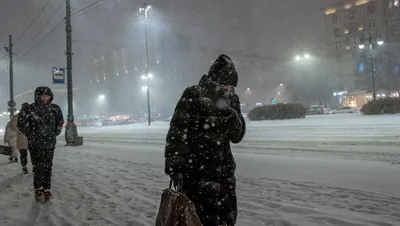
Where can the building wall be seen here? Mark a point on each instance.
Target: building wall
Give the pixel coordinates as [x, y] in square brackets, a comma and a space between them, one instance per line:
[348, 24]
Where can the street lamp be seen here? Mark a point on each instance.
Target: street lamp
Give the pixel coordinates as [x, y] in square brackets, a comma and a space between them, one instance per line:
[145, 88]
[361, 46]
[144, 77]
[302, 56]
[145, 9]
[101, 97]
[71, 133]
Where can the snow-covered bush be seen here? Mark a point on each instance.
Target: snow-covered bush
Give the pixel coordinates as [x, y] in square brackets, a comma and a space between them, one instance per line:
[382, 106]
[277, 111]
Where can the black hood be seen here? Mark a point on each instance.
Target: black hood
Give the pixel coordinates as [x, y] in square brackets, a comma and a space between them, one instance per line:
[40, 91]
[210, 88]
[223, 71]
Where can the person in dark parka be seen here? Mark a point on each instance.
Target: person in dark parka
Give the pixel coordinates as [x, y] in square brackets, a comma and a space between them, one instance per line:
[198, 155]
[41, 122]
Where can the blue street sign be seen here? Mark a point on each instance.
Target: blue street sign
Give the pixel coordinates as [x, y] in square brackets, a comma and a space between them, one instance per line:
[58, 75]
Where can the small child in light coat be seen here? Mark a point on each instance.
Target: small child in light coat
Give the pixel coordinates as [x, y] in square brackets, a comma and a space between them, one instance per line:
[10, 137]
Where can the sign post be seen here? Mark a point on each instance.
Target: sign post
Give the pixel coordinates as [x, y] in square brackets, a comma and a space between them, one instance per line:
[58, 75]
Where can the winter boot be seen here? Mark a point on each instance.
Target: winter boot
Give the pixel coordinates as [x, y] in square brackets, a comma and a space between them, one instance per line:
[39, 195]
[47, 195]
[24, 170]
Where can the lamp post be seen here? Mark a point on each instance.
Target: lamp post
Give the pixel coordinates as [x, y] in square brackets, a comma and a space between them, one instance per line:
[361, 46]
[145, 9]
[71, 133]
[302, 56]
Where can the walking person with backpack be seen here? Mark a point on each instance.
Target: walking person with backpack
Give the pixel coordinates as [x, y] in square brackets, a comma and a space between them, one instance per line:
[41, 122]
[198, 155]
[22, 141]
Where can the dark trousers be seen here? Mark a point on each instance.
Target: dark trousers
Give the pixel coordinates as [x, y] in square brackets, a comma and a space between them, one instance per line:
[42, 161]
[23, 154]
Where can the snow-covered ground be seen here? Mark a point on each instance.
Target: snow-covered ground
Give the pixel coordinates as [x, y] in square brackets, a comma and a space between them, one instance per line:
[322, 170]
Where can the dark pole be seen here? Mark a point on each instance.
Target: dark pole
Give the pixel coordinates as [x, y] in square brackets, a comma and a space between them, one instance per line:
[11, 103]
[146, 70]
[372, 68]
[71, 132]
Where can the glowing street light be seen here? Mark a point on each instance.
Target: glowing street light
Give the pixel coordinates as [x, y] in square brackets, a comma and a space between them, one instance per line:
[145, 88]
[361, 46]
[302, 56]
[380, 42]
[281, 84]
[101, 97]
[144, 77]
[145, 8]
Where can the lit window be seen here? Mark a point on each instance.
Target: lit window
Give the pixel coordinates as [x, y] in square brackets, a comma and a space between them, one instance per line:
[396, 3]
[361, 67]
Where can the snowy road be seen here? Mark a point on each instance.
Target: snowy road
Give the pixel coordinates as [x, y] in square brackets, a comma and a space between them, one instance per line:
[323, 170]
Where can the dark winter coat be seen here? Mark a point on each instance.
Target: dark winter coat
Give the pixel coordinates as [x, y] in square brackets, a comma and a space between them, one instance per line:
[204, 124]
[41, 123]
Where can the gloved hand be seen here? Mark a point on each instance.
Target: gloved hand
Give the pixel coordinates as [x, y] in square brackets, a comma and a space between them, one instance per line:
[177, 180]
[232, 119]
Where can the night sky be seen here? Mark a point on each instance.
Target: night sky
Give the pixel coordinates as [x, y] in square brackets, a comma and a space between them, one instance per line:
[272, 30]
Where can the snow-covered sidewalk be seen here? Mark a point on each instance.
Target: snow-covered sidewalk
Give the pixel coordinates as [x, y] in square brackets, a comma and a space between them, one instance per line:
[117, 177]
[93, 189]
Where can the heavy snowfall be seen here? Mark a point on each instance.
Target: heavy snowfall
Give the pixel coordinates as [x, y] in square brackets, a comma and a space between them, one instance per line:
[323, 170]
